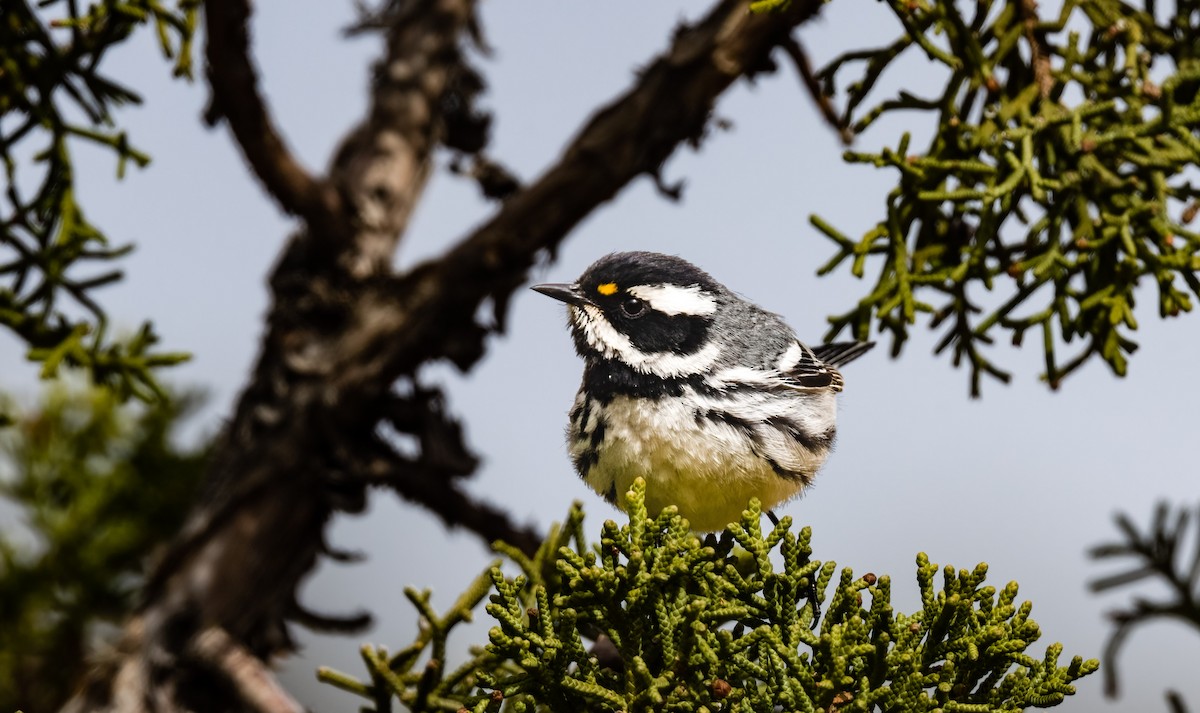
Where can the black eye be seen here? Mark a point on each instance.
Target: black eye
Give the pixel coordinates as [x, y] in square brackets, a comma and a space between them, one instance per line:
[633, 307]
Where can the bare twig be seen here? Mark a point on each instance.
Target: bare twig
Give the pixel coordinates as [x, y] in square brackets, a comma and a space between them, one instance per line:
[457, 509]
[495, 181]
[1175, 702]
[1154, 553]
[319, 621]
[795, 52]
[1039, 60]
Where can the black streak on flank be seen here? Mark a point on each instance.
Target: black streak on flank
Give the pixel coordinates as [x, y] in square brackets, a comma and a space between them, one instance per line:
[597, 436]
[580, 415]
[584, 462]
[812, 441]
[751, 431]
[787, 474]
[729, 419]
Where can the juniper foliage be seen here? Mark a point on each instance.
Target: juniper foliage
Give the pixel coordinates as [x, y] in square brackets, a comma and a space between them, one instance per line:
[1056, 179]
[53, 96]
[97, 486]
[719, 625]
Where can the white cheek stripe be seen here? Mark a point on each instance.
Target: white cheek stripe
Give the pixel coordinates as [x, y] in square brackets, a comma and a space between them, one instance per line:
[602, 337]
[673, 299]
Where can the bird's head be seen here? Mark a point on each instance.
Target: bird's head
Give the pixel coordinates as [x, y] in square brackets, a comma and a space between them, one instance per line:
[652, 312]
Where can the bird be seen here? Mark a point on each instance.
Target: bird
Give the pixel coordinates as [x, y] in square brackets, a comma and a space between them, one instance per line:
[710, 398]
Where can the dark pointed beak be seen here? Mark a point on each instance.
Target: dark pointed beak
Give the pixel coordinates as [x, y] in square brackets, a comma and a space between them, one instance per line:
[571, 294]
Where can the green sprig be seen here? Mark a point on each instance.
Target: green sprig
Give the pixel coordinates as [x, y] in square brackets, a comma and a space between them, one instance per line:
[1025, 190]
[725, 624]
[49, 74]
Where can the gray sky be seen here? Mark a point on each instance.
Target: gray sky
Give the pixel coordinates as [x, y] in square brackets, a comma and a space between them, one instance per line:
[1023, 479]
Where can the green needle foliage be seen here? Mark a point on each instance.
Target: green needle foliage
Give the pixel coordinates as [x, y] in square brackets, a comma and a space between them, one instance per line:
[52, 93]
[1056, 179]
[729, 624]
[98, 486]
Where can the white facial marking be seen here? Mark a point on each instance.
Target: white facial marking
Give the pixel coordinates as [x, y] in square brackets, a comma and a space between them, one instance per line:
[790, 358]
[602, 337]
[673, 299]
[735, 375]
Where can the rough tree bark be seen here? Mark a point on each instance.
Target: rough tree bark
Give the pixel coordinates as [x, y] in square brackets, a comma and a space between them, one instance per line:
[346, 333]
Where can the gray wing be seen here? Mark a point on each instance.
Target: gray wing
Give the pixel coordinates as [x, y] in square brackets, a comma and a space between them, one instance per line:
[817, 368]
[842, 353]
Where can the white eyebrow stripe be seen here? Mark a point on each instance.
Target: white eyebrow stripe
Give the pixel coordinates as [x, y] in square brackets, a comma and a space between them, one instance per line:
[674, 299]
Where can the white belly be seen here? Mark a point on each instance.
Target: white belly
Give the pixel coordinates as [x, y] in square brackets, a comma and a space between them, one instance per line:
[709, 468]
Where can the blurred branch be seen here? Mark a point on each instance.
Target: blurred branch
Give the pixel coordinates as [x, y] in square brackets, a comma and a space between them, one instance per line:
[1175, 702]
[454, 507]
[254, 683]
[1154, 554]
[235, 97]
[423, 93]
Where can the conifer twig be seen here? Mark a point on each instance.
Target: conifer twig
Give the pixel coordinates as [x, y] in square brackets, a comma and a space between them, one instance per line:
[1155, 554]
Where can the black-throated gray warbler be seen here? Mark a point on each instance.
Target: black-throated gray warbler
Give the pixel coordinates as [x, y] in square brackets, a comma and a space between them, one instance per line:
[710, 398]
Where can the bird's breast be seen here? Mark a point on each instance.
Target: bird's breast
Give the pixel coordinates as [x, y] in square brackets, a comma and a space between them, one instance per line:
[705, 454]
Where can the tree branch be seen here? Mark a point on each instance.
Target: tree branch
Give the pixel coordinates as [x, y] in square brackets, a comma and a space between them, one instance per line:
[1039, 60]
[235, 97]
[254, 684]
[455, 508]
[795, 52]
[382, 166]
[429, 313]
[342, 332]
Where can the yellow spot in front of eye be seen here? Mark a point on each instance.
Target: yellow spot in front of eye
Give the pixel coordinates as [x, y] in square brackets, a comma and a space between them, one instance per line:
[607, 288]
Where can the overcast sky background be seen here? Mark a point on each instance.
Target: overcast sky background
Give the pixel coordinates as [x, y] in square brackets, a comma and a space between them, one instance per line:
[1023, 479]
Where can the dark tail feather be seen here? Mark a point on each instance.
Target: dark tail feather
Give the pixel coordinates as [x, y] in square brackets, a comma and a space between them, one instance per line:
[841, 353]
